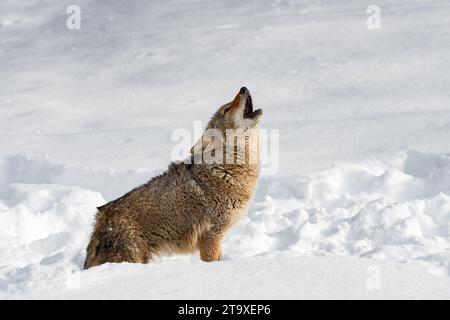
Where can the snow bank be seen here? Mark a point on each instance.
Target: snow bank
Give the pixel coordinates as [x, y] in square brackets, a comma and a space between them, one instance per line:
[397, 208]
[36, 170]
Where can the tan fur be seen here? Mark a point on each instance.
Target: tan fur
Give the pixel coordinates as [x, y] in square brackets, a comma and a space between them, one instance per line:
[189, 207]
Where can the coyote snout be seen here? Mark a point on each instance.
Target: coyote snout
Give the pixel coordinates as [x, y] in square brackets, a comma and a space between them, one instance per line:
[193, 204]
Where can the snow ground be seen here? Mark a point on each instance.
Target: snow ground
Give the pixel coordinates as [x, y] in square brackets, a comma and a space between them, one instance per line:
[364, 120]
[394, 211]
[256, 278]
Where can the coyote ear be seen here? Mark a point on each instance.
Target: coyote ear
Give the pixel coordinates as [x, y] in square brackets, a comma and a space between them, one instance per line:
[198, 147]
[206, 144]
[224, 111]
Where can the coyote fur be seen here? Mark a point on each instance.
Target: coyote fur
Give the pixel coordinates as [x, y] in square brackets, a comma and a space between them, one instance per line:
[189, 207]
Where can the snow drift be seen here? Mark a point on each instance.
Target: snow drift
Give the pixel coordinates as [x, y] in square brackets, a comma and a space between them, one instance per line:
[397, 208]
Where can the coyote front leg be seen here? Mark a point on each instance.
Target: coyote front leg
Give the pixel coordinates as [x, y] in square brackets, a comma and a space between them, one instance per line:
[210, 245]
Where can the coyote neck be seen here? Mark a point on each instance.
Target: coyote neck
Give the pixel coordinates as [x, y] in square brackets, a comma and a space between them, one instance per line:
[232, 180]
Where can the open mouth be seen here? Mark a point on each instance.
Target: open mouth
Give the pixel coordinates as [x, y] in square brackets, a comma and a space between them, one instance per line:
[248, 109]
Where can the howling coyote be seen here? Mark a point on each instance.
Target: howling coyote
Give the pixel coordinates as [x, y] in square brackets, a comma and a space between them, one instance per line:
[193, 204]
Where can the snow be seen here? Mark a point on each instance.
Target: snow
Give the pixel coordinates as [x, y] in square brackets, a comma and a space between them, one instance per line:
[257, 278]
[299, 229]
[364, 121]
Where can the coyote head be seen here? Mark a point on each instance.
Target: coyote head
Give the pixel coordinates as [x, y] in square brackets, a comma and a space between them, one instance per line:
[231, 131]
[237, 114]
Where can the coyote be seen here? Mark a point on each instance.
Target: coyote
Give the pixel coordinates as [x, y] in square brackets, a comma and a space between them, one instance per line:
[189, 207]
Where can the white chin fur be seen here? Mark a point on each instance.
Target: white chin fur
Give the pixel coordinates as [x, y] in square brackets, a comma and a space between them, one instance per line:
[246, 123]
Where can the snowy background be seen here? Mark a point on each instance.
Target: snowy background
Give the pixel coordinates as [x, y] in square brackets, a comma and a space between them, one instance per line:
[360, 206]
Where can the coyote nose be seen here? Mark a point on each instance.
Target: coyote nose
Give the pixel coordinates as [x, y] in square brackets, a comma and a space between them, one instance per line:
[243, 90]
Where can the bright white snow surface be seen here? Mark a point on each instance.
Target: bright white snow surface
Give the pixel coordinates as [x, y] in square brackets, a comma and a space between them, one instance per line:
[360, 207]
